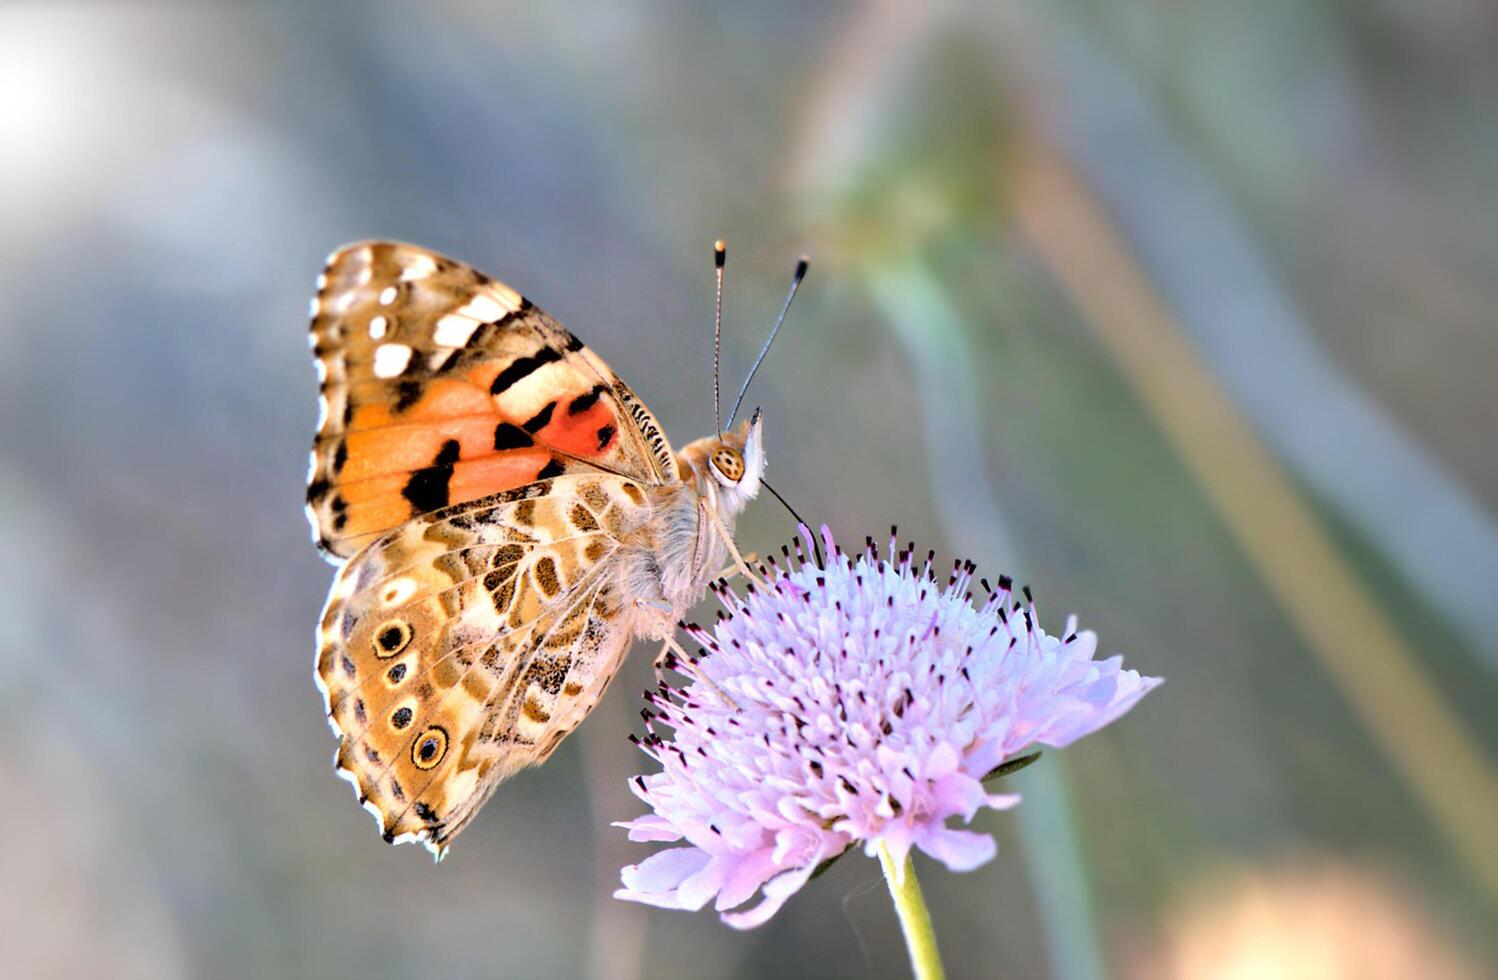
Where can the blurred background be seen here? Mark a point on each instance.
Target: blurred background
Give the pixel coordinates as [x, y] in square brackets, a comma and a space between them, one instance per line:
[1182, 312]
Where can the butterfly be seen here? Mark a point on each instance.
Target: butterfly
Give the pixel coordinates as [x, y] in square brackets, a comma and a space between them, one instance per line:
[507, 517]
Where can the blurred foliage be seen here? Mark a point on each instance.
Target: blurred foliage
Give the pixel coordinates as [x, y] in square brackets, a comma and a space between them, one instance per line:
[171, 176]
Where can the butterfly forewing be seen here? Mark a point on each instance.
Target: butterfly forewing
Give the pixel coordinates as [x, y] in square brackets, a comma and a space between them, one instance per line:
[440, 385]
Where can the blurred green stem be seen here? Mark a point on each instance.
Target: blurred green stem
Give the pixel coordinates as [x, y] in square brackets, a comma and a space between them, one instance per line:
[938, 347]
[940, 353]
[1054, 857]
[915, 920]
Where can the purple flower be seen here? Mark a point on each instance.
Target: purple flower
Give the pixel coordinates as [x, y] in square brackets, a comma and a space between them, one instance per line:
[865, 703]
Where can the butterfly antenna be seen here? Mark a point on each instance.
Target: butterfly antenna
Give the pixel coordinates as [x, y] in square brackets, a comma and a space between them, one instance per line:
[720, 256]
[785, 308]
[786, 504]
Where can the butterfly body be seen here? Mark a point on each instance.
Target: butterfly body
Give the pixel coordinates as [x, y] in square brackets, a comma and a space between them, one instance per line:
[509, 518]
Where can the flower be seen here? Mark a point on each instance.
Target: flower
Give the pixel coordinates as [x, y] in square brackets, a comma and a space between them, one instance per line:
[851, 701]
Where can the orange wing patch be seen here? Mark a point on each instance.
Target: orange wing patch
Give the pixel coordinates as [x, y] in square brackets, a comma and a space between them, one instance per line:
[441, 385]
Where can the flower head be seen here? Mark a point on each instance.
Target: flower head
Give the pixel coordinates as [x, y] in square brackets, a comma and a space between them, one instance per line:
[858, 700]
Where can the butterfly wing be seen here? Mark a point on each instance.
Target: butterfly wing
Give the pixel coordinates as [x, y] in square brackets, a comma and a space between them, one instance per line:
[467, 644]
[440, 385]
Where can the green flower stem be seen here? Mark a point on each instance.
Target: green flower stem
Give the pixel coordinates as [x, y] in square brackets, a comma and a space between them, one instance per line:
[915, 921]
[939, 347]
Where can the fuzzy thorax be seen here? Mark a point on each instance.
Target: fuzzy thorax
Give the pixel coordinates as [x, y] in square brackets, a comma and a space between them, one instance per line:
[720, 475]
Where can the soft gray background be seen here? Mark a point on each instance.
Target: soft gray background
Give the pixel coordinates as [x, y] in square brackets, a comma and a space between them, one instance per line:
[1309, 185]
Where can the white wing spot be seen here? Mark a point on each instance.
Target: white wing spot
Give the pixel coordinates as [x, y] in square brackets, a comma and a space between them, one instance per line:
[322, 281]
[343, 587]
[387, 295]
[377, 327]
[454, 330]
[391, 359]
[366, 274]
[312, 462]
[420, 267]
[486, 309]
[511, 299]
[312, 308]
[398, 592]
[322, 411]
[316, 538]
[343, 303]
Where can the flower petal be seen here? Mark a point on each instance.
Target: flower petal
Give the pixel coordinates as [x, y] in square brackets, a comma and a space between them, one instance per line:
[776, 891]
[664, 870]
[694, 892]
[869, 701]
[650, 827]
[959, 850]
[752, 871]
[943, 761]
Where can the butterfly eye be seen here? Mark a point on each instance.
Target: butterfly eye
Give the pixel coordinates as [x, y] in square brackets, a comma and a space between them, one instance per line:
[729, 464]
[429, 748]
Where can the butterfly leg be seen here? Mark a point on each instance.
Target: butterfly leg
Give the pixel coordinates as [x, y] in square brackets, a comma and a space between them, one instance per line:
[733, 549]
[663, 618]
[733, 570]
[670, 647]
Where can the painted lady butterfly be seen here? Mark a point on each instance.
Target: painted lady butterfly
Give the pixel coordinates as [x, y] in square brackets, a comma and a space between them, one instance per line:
[508, 517]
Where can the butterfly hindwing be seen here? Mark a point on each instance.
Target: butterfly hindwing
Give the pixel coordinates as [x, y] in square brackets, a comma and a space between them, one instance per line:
[465, 645]
[440, 385]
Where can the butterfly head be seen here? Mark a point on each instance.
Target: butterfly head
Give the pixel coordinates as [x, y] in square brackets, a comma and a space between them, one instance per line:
[732, 462]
